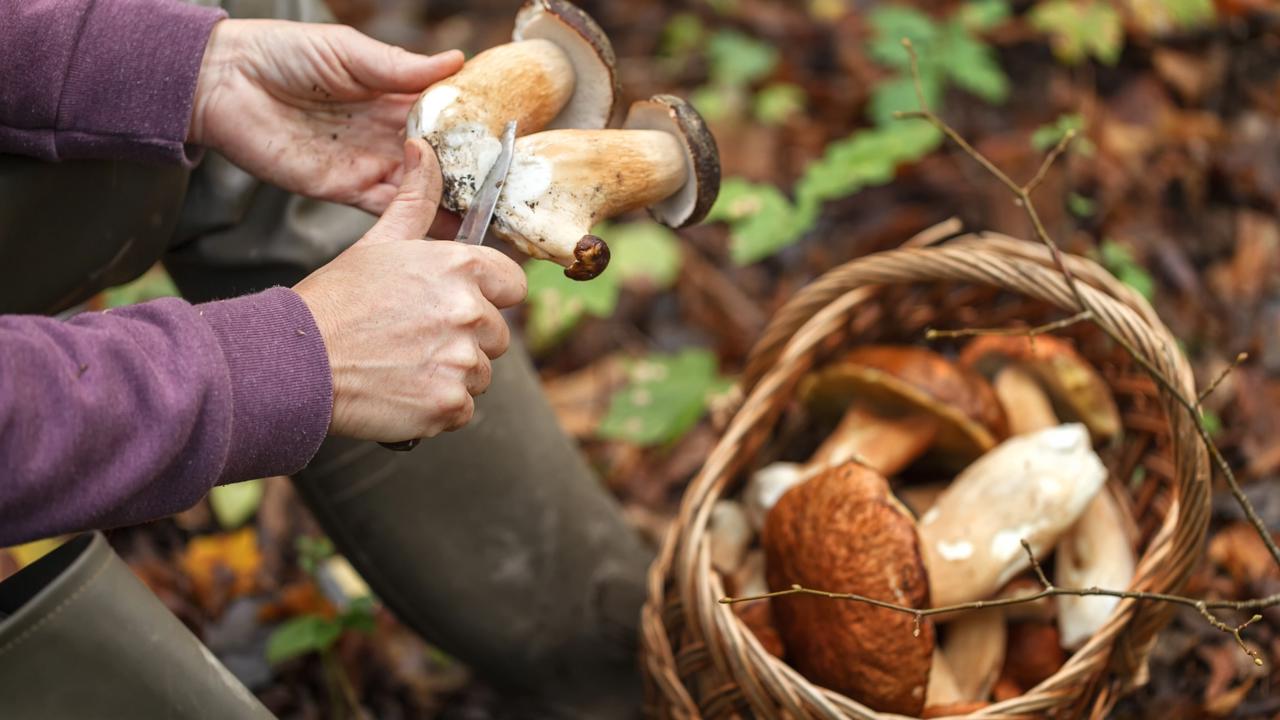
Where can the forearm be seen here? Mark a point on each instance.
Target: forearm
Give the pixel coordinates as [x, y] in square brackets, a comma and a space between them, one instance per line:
[115, 418]
[111, 79]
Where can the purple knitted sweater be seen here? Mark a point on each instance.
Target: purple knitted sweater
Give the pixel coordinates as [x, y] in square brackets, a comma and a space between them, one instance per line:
[122, 416]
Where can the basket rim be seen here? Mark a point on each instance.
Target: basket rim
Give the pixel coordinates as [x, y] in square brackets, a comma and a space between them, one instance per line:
[788, 348]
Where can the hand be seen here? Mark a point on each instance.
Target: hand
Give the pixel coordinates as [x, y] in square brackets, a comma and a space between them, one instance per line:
[315, 109]
[410, 325]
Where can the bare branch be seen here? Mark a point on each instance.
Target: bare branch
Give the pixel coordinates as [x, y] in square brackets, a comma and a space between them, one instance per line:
[1221, 376]
[1049, 160]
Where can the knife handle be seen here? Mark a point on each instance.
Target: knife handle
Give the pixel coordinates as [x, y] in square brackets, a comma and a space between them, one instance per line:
[401, 446]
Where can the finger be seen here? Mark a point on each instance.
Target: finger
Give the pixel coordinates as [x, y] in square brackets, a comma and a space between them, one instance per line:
[477, 380]
[388, 68]
[411, 212]
[492, 334]
[460, 417]
[500, 279]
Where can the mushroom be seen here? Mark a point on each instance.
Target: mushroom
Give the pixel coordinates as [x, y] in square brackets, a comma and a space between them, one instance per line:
[729, 533]
[1034, 654]
[1096, 552]
[557, 73]
[1031, 487]
[1077, 390]
[563, 182]
[943, 690]
[974, 650]
[899, 401]
[840, 532]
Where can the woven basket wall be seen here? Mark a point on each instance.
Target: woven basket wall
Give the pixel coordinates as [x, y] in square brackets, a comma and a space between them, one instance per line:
[700, 661]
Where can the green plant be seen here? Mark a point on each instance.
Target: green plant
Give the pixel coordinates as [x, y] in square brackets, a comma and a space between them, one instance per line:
[664, 396]
[154, 283]
[762, 220]
[645, 254]
[1050, 134]
[1079, 29]
[234, 504]
[1118, 259]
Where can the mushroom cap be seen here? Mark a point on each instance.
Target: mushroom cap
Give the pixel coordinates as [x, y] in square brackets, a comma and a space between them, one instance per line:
[840, 532]
[694, 199]
[903, 379]
[596, 89]
[1075, 386]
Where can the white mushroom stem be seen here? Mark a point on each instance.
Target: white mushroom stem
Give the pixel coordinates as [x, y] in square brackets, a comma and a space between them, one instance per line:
[1095, 553]
[942, 688]
[1026, 405]
[974, 649]
[1031, 487]
[563, 182]
[887, 444]
[729, 534]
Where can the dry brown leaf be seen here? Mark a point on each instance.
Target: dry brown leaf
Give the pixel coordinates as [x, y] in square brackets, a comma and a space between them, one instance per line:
[222, 566]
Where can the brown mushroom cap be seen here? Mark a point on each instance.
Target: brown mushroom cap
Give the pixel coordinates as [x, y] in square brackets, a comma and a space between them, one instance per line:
[594, 64]
[840, 531]
[1075, 386]
[904, 379]
[694, 199]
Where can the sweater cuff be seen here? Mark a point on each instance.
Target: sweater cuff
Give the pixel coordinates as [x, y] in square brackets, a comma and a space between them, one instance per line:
[281, 384]
[155, 50]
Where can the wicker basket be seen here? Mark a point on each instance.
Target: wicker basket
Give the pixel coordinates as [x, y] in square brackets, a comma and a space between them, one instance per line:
[700, 661]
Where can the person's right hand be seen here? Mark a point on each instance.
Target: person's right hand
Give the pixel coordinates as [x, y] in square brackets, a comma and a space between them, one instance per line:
[409, 324]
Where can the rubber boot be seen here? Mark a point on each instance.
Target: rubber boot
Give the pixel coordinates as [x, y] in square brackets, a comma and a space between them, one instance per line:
[82, 637]
[500, 546]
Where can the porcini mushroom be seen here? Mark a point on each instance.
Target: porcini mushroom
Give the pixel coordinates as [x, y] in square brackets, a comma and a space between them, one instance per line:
[558, 72]
[1077, 390]
[899, 401]
[563, 182]
[1095, 552]
[1030, 487]
[838, 531]
[974, 650]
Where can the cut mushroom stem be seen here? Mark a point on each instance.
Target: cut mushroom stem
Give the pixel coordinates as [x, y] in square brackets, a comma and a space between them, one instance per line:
[974, 650]
[885, 443]
[1025, 403]
[1096, 552]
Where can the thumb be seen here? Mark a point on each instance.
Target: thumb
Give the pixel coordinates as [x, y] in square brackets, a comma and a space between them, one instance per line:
[410, 212]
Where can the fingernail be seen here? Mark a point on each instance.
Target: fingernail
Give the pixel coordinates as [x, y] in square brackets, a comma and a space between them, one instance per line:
[412, 156]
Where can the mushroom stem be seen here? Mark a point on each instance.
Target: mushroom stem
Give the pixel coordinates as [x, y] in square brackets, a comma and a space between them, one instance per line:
[563, 182]
[885, 443]
[1026, 405]
[974, 650]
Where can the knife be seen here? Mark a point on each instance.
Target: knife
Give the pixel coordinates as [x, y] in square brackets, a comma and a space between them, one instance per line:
[476, 222]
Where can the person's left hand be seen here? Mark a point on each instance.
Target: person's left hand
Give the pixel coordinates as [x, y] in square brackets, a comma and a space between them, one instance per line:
[315, 109]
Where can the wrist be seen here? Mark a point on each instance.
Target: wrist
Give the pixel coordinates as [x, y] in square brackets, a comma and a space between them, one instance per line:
[222, 56]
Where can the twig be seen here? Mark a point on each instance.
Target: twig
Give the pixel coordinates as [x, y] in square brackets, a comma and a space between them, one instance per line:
[1031, 332]
[1050, 159]
[1221, 376]
[1048, 590]
[1023, 199]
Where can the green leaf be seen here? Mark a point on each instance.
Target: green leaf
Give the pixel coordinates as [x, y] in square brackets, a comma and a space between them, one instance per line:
[972, 65]
[715, 102]
[359, 615]
[681, 36]
[154, 283]
[1080, 28]
[665, 395]
[557, 304]
[979, 15]
[1118, 259]
[899, 95]
[778, 101]
[738, 60]
[234, 504]
[1190, 13]
[1211, 422]
[1080, 206]
[761, 219]
[890, 24]
[312, 550]
[642, 253]
[1048, 135]
[301, 635]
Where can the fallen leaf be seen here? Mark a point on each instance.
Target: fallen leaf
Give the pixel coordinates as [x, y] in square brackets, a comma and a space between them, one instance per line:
[222, 566]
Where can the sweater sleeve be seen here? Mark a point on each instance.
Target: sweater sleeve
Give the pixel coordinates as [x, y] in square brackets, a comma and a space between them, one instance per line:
[118, 417]
[110, 79]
